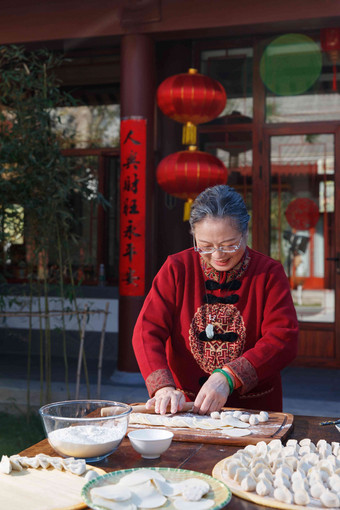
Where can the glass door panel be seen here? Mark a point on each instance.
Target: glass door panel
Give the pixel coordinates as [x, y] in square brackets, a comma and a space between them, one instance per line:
[302, 220]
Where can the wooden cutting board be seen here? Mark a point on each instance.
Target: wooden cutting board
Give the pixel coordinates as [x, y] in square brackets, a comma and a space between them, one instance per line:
[42, 489]
[277, 427]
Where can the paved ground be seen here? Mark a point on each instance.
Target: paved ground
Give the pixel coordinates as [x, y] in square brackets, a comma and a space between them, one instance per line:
[308, 391]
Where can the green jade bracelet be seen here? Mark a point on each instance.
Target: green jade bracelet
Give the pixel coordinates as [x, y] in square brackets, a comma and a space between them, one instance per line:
[227, 376]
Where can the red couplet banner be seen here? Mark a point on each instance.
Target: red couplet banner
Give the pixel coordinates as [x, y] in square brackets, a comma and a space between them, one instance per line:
[132, 207]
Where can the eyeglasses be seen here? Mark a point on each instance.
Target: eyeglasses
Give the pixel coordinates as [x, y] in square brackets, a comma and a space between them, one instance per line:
[224, 249]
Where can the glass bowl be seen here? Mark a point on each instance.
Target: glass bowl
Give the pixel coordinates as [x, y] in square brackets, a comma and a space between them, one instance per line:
[86, 429]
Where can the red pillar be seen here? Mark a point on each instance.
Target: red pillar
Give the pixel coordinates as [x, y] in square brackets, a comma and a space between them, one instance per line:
[137, 99]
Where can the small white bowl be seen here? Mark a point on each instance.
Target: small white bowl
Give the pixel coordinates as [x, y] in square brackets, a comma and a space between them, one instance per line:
[150, 443]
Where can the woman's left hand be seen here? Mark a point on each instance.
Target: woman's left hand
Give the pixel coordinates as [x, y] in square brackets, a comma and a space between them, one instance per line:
[213, 394]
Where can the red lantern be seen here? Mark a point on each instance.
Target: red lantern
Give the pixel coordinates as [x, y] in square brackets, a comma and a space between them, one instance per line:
[330, 43]
[191, 98]
[185, 174]
[302, 214]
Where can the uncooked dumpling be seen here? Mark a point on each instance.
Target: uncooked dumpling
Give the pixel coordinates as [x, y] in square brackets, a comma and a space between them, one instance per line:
[56, 463]
[266, 474]
[15, 462]
[281, 481]
[196, 482]
[334, 483]
[91, 475]
[250, 449]
[301, 497]
[33, 462]
[248, 483]
[317, 489]
[77, 467]
[263, 487]
[44, 460]
[240, 474]
[329, 499]
[5, 465]
[231, 468]
[193, 493]
[292, 463]
[276, 444]
[291, 442]
[283, 494]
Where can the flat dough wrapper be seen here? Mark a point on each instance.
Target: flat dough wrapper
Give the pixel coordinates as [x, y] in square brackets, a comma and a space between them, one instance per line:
[237, 432]
[189, 421]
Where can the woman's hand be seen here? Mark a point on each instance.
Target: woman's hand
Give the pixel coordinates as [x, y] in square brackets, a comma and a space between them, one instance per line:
[213, 394]
[164, 398]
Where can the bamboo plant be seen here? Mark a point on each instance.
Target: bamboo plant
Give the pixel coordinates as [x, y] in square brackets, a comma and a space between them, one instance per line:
[37, 183]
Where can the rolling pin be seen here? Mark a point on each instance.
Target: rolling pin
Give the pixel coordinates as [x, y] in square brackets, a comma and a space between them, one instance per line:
[140, 408]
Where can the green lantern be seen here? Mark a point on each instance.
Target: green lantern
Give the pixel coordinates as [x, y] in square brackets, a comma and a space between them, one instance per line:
[290, 64]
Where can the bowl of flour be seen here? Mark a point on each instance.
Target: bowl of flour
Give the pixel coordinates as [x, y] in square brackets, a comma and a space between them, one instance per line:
[82, 428]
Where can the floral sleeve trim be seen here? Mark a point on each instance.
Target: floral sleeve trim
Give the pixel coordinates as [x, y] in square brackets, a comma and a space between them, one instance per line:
[158, 379]
[245, 372]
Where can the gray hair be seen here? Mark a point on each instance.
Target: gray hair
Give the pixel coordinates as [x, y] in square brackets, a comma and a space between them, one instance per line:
[220, 201]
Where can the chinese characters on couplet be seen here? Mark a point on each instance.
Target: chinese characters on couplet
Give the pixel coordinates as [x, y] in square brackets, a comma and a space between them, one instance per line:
[132, 197]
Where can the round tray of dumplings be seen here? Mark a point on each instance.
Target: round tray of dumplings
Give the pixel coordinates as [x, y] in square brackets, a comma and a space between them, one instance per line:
[298, 475]
[173, 489]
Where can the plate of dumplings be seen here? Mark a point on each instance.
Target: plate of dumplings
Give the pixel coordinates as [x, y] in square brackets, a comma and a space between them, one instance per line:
[299, 475]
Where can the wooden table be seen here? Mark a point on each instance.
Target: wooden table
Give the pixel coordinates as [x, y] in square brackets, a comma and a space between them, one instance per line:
[199, 456]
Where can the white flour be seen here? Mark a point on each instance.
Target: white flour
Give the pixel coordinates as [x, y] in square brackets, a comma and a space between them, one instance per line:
[86, 440]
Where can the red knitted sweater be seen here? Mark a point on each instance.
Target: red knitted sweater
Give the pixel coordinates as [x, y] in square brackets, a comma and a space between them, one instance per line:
[254, 319]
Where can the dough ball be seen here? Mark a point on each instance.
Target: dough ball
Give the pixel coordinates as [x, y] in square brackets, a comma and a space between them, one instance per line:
[253, 419]
[244, 417]
[263, 416]
[237, 414]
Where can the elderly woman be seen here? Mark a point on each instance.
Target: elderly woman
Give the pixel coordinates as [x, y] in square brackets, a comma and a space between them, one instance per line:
[219, 323]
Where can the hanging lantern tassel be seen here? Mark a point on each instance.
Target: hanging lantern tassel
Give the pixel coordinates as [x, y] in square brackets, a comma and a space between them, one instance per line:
[334, 56]
[189, 134]
[187, 209]
[330, 43]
